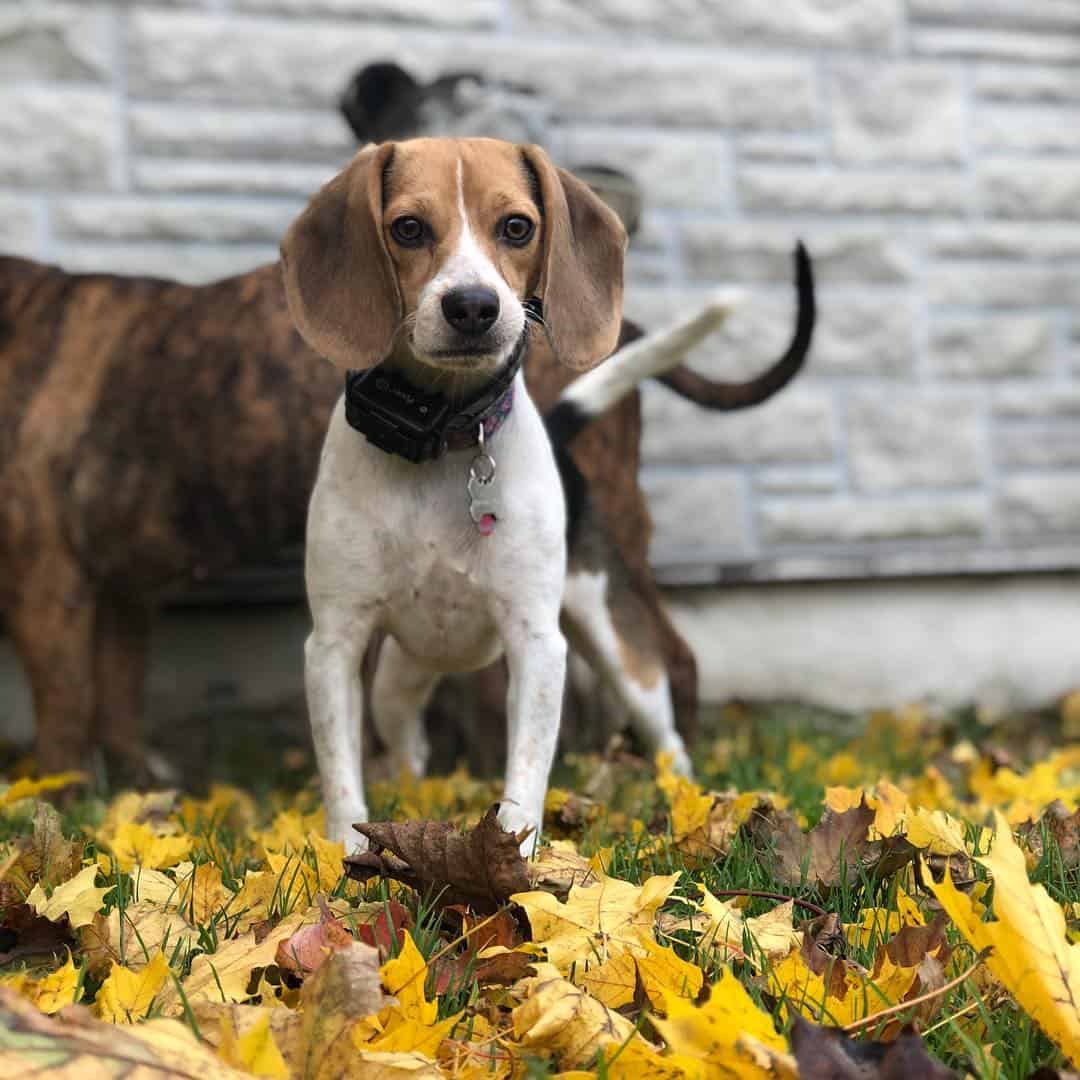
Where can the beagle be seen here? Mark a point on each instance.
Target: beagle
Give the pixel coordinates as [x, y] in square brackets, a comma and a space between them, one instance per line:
[437, 516]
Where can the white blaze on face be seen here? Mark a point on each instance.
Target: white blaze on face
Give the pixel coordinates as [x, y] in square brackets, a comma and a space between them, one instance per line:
[468, 264]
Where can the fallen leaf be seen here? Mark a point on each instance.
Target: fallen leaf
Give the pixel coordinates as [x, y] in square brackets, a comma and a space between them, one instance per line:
[51, 992]
[78, 898]
[557, 866]
[133, 937]
[254, 1051]
[307, 949]
[1031, 955]
[25, 788]
[33, 937]
[126, 995]
[48, 858]
[559, 1020]
[77, 1047]
[726, 1036]
[203, 894]
[226, 974]
[138, 845]
[828, 1054]
[837, 849]
[481, 867]
[344, 989]
[659, 970]
[597, 921]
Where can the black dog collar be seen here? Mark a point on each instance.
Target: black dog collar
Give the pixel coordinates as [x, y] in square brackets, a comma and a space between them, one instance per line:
[398, 418]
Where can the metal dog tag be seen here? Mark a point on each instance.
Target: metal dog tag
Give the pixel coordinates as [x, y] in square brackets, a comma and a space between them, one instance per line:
[483, 503]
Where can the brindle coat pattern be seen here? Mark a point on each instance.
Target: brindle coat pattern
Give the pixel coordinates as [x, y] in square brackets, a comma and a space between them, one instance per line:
[152, 432]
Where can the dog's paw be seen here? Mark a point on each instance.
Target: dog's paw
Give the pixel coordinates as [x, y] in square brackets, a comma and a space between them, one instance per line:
[516, 820]
[680, 760]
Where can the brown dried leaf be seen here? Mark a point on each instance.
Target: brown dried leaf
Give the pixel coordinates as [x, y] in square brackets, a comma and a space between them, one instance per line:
[828, 1054]
[837, 848]
[1063, 825]
[481, 867]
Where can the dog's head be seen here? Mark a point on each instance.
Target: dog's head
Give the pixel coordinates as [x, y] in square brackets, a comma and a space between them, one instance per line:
[433, 245]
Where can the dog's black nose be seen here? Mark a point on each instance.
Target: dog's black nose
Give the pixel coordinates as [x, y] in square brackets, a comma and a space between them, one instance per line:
[471, 309]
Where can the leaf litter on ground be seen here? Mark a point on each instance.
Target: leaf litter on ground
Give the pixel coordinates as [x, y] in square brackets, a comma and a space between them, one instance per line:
[806, 918]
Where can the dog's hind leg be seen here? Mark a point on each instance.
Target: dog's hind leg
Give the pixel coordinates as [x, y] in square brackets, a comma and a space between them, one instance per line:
[335, 701]
[121, 644]
[616, 639]
[400, 694]
[51, 623]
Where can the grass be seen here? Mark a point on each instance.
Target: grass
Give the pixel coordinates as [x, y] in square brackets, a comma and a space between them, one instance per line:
[790, 750]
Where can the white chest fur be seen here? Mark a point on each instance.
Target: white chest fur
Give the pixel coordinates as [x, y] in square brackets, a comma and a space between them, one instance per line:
[392, 545]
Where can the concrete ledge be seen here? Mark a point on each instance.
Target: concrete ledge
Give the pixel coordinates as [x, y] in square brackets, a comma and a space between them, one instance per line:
[998, 643]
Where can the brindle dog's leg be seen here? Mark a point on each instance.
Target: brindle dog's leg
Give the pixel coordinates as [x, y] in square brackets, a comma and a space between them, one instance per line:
[52, 626]
[121, 647]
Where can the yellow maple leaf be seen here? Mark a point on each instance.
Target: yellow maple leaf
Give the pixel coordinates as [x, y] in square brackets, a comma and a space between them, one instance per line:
[26, 788]
[254, 1051]
[327, 856]
[720, 925]
[78, 898]
[880, 924]
[288, 832]
[202, 893]
[403, 976]
[598, 920]
[559, 1020]
[135, 844]
[372, 1065]
[843, 994]
[889, 803]
[126, 996]
[936, 832]
[1031, 955]
[727, 1036]
[52, 992]
[661, 970]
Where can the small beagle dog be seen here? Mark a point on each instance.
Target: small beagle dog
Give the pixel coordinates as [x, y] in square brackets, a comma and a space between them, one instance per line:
[438, 516]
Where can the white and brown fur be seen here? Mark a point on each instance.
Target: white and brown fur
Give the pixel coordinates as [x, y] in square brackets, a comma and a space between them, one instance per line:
[390, 544]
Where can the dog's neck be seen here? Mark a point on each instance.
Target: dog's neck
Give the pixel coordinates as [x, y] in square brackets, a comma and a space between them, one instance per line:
[457, 386]
[419, 421]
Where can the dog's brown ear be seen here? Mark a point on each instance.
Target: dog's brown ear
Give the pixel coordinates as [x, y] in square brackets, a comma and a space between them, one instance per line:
[339, 280]
[581, 278]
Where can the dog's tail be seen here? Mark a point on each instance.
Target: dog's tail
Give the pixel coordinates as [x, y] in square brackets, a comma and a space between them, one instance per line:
[659, 355]
[649, 355]
[725, 396]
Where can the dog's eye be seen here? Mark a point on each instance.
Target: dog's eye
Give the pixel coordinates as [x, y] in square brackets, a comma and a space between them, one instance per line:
[408, 231]
[517, 230]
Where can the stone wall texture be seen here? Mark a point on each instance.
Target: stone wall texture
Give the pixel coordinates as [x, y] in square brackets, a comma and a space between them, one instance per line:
[926, 151]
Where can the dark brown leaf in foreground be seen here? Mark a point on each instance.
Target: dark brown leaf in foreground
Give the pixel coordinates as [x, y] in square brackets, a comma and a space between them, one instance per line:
[828, 1054]
[481, 867]
[837, 848]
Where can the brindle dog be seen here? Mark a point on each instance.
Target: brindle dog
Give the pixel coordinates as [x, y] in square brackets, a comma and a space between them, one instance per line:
[153, 432]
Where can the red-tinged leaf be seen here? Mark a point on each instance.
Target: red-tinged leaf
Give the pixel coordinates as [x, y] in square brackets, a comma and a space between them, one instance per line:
[307, 950]
[387, 932]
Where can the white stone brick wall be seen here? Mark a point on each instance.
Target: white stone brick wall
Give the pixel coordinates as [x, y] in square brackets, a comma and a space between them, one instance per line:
[927, 152]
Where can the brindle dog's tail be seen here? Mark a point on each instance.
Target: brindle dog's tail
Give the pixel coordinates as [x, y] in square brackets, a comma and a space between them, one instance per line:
[659, 355]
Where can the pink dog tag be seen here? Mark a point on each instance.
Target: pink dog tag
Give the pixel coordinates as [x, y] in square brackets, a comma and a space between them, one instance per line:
[486, 525]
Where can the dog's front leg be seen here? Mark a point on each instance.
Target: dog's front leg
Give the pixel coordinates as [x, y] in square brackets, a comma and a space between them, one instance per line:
[536, 657]
[335, 705]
